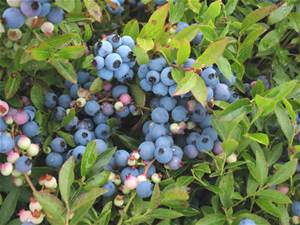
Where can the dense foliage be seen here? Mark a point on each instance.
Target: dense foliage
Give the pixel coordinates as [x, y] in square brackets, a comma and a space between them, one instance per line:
[149, 112]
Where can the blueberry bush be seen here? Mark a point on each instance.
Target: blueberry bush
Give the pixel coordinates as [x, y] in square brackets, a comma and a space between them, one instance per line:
[167, 112]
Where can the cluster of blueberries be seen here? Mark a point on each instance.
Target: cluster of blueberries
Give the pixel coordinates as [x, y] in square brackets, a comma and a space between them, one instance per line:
[114, 58]
[19, 140]
[20, 10]
[116, 7]
[92, 113]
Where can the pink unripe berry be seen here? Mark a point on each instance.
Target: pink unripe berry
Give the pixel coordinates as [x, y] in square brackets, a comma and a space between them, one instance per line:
[24, 142]
[218, 148]
[21, 117]
[33, 150]
[130, 182]
[24, 216]
[125, 99]
[25, 100]
[47, 28]
[107, 86]
[6, 168]
[12, 156]
[284, 189]
[4, 108]
[34, 205]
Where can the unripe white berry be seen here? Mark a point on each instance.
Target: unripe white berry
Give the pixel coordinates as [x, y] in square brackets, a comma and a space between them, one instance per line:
[47, 28]
[141, 178]
[37, 217]
[14, 3]
[80, 102]
[33, 150]
[125, 190]
[51, 184]
[6, 168]
[130, 182]
[24, 142]
[9, 119]
[119, 200]
[118, 106]
[232, 158]
[16, 173]
[24, 216]
[34, 205]
[18, 181]
[295, 220]
[156, 178]
[14, 34]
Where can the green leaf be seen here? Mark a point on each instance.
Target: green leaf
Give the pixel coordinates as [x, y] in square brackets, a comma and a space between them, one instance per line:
[9, 205]
[285, 123]
[141, 56]
[52, 207]
[194, 5]
[259, 137]
[103, 159]
[260, 170]
[12, 85]
[94, 9]
[145, 43]
[284, 172]
[187, 33]
[66, 179]
[177, 75]
[199, 91]
[230, 6]
[105, 215]
[224, 67]
[138, 95]
[155, 198]
[58, 42]
[97, 180]
[257, 219]
[212, 53]
[40, 53]
[275, 196]
[213, 11]
[173, 193]
[227, 189]
[68, 118]
[186, 84]
[268, 206]
[269, 41]
[88, 159]
[96, 86]
[184, 51]
[212, 219]
[229, 146]
[37, 96]
[68, 5]
[65, 69]
[71, 52]
[162, 213]
[176, 11]
[155, 25]
[256, 15]
[280, 13]
[131, 28]
[128, 141]
[67, 137]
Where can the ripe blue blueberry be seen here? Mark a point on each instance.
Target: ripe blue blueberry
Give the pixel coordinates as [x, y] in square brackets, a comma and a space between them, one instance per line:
[189, 63]
[180, 26]
[31, 129]
[192, 138]
[126, 53]
[45, 9]
[58, 144]
[107, 109]
[91, 108]
[54, 160]
[72, 125]
[175, 163]
[166, 76]
[82, 77]
[247, 222]
[105, 74]
[73, 90]
[50, 100]
[151, 170]
[124, 112]
[145, 85]
[142, 71]
[144, 189]
[122, 73]
[179, 114]
[210, 94]
[127, 40]
[172, 90]
[78, 152]
[121, 158]
[115, 39]
[163, 154]
[105, 48]
[222, 92]
[164, 141]
[56, 15]
[31, 8]
[13, 18]
[23, 164]
[204, 143]
[64, 101]
[160, 89]
[198, 39]
[128, 171]
[111, 189]
[100, 118]
[146, 150]
[6, 143]
[86, 123]
[102, 131]
[211, 132]
[199, 113]
[160, 115]
[177, 151]
[3, 125]
[118, 90]
[30, 110]
[296, 208]
[98, 62]
[157, 64]
[157, 130]
[83, 137]
[101, 146]
[167, 103]
[153, 77]
[191, 151]
[210, 77]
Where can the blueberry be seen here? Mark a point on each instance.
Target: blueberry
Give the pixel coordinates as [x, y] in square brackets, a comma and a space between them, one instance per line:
[210, 77]
[13, 18]
[31, 8]
[105, 74]
[121, 157]
[146, 126]
[128, 171]
[31, 129]
[45, 9]
[199, 113]
[204, 143]
[172, 90]
[206, 122]
[82, 77]
[58, 113]
[117, 9]
[157, 130]
[210, 94]
[99, 62]
[91, 108]
[222, 92]
[189, 63]
[83, 137]
[142, 71]
[23, 164]
[167, 103]
[160, 115]
[105, 48]
[3, 125]
[163, 154]
[191, 151]
[101, 146]
[111, 189]
[164, 141]
[127, 40]
[107, 109]
[126, 53]
[211, 132]
[157, 64]
[100, 118]
[180, 26]
[78, 152]
[58, 144]
[150, 172]
[153, 77]
[87, 124]
[50, 100]
[73, 90]
[233, 97]
[6, 143]
[247, 222]
[175, 163]
[30, 110]
[296, 208]
[166, 76]
[124, 112]
[177, 151]
[145, 85]
[146, 150]
[102, 131]
[144, 189]
[179, 113]
[160, 89]
[72, 125]
[122, 72]
[64, 101]
[54, 160]
[192, 138]
[56, 15]
[118, 90]
[27, 223]
[198, 39]
[115, 40]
